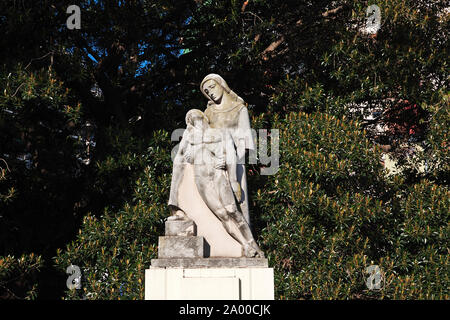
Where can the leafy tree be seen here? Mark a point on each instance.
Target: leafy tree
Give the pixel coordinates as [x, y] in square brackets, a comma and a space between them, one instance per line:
[18, 276]
[114, 250]
[330, 214]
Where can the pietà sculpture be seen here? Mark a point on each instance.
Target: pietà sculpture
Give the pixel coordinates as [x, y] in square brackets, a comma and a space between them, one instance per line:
[214, 143]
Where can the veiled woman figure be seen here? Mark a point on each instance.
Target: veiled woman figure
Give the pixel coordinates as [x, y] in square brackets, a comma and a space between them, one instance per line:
[226, 110]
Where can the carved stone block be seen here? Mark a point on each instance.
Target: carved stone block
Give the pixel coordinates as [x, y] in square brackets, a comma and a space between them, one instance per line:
[181, 247]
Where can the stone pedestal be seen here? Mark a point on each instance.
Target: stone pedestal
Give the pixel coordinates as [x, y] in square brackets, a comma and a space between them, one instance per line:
[205, 283]
[185, 271]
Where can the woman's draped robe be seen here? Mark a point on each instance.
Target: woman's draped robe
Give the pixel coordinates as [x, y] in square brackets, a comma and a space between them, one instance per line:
[185, 196]
[236, 120]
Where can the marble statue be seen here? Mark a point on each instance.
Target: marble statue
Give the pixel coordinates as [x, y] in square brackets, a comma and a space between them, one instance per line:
[208, 251]
[214, 144]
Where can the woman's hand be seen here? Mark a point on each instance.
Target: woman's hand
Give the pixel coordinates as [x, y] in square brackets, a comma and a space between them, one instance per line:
[187, 156]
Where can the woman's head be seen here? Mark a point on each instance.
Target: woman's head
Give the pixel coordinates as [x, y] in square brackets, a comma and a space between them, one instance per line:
[213, 90]
[214, 87]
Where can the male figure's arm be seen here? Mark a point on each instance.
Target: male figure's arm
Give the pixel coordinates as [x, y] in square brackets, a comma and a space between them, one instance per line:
[184, 152]
[231, 165]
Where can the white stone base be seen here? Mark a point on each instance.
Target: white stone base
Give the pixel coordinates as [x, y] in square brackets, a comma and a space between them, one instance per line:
[209, 284]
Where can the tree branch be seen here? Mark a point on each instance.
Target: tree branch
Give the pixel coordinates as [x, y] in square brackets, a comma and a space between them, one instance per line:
[275, 44]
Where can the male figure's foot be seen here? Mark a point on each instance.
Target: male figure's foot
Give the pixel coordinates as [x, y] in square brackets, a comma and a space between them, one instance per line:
[259, 253]
[179, 215]
[251, 250]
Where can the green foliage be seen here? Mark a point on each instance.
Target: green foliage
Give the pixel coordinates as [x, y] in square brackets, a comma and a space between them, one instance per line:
[7, 192]
[18, 276]
[38, 116]
[113, 253]
[330, 152]
[418, 265]
[326, 220]
[114, 250]
[436, 154]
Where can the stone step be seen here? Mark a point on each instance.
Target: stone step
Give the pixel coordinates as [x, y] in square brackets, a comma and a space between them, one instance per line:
[181, 247]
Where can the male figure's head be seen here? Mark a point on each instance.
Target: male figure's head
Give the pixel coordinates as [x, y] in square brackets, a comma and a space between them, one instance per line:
[196, 119]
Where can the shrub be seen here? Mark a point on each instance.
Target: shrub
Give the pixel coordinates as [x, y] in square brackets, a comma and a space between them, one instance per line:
[330, 213]
[113, 251]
